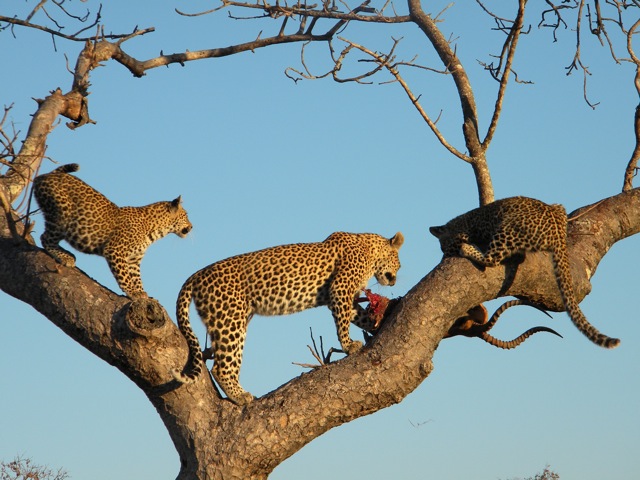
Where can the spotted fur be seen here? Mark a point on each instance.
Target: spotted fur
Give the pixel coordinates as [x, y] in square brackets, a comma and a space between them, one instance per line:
[492, 233]
[278, 281]
[91, 223]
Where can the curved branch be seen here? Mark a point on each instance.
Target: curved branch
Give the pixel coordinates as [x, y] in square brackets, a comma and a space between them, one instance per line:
[138, 68]
[465, 93]
[384, 61]
[632, 166]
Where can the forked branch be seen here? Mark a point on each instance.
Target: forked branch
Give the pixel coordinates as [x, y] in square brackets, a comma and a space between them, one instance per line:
[387, 61]
[632, 167]
[328, 10]
[502, 73]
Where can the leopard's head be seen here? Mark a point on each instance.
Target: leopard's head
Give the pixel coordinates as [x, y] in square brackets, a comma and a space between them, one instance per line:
[388, 262]
[181, 225]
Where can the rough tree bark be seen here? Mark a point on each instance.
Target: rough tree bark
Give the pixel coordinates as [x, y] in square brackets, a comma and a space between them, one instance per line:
[214, 438]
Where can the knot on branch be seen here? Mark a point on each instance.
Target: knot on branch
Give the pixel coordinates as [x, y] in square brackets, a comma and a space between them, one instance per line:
[144, 317]
[72, 105]
[76, 108]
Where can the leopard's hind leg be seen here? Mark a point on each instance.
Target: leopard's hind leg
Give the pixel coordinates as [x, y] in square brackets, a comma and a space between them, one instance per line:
[227, 343]
[51, 239]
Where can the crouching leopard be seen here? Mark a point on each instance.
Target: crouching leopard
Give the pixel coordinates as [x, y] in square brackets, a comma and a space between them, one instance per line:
[514, 226]
[279, 281]
[91, 223]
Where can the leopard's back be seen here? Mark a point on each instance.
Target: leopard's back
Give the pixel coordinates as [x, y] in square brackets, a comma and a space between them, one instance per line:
[507, 227]
[298, 277]
[83, 216]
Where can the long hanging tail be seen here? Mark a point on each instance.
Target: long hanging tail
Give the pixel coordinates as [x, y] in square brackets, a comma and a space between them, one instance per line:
[193, 368]
[563, 276]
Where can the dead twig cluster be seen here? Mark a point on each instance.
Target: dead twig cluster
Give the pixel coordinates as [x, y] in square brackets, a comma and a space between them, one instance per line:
[318, 353]
[7, 140]
[570, 14]
[21, 468]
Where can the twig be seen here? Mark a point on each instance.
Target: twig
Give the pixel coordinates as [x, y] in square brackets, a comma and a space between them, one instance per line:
[509, 47]
[385, 60]
[319, 355]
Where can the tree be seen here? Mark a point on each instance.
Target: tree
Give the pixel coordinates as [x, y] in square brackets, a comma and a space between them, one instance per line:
[24, 469]
[213, 437]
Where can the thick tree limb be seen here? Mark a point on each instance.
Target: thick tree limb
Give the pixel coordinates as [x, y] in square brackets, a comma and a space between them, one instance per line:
[215, 437]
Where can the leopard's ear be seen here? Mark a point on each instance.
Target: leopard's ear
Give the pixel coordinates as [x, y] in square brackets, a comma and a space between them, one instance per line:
[176, 203]
[437, 231]
[397, 240]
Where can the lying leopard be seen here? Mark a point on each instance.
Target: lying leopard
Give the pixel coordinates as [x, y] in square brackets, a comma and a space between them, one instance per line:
[514, 226]
[91, 223]
[279, 281]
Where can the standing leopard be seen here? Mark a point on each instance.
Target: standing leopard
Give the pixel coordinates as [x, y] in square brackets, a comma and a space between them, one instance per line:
[513, 226]
[91, 223]
[279, 281]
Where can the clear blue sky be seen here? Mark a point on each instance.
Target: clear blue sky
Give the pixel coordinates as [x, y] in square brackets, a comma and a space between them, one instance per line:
[261, 161]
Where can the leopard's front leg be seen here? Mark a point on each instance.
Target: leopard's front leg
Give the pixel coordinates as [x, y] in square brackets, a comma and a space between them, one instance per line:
[363, 320]
[495, 254]
[344, 312]
[126, 271]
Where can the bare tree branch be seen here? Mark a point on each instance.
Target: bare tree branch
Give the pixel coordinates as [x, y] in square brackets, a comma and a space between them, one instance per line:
[56, 33]
[632, 167]
[510, 48]
[465, 92]
[577, 59]
[385, 61]
[311, 11]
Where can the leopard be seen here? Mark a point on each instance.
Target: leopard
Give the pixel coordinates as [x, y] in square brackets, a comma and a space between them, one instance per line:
[77, 213]
[281, 280]
[509, 228]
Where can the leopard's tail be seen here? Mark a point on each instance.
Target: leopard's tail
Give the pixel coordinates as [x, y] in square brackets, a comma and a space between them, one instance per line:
[193, 368]
[563, 276]
[68, 168]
